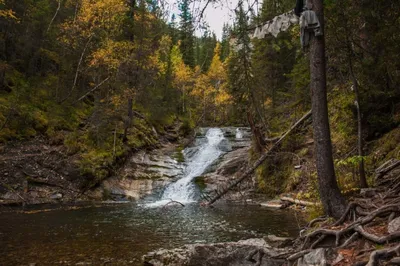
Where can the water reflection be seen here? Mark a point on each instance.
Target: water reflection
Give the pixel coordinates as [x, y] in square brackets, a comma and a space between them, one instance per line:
[122, 234]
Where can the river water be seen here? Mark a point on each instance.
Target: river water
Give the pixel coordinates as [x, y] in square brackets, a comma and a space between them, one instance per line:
[120, 234]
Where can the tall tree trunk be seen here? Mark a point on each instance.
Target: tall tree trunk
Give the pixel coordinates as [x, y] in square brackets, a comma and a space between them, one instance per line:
[332, 200]
[360, 144]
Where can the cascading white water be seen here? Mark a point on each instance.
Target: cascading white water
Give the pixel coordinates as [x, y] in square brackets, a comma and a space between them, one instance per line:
[183, 189]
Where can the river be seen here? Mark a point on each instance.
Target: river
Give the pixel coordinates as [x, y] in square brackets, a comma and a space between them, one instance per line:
[119, 234]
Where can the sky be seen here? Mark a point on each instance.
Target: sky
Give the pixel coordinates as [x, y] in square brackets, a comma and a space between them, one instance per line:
[215, 14]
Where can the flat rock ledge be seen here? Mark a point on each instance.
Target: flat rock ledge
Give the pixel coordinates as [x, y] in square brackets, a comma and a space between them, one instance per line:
[255, 251]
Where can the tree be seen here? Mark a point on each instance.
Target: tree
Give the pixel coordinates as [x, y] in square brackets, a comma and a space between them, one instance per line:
[187, 30]
[332, 200]
[225, 47]
[182, 75]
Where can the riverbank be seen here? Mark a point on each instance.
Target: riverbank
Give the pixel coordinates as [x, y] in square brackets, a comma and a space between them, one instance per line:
[39, 171]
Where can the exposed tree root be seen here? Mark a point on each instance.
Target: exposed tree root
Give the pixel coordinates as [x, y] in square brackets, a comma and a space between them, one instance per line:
[387, 252]
[364, 223]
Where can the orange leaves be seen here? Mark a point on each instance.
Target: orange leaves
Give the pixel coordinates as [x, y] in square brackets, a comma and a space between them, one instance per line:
[95, 17]
[112, 54]
[183, 75]
[6, 13]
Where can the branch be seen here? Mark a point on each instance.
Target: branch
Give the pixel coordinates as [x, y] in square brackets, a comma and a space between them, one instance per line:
[300, 202]
[374, 257]
[55, 15]
[77, 69]
[98, 85]
[261, 159]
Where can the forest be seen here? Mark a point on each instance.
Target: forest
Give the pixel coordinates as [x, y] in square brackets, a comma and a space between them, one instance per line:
[99, 81]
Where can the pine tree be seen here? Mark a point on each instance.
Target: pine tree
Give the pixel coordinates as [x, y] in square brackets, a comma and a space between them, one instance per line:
[186, 31]
[225, 47]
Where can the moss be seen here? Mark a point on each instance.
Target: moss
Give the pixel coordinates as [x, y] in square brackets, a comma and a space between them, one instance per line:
[272, 175]
[187, 127]
[384, 149]
[314, 212]
[200, 182]
[178, 155]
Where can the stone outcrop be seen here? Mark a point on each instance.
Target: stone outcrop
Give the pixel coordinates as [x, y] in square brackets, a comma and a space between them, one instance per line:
[144, 173]
[242, 253]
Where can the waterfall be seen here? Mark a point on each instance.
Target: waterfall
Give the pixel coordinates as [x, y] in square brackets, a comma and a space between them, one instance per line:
[183, 190]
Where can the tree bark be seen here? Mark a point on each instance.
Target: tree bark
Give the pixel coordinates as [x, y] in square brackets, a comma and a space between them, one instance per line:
[360, 144]
[55, 15]
[332, 200]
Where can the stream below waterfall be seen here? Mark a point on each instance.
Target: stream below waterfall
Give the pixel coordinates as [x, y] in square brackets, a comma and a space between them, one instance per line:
[120, 234]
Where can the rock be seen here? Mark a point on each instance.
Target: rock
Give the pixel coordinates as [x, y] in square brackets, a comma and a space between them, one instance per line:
[130, 188]
[316, 257]
[56, 196]
[275, 238]
[394, 261]
[279, 242]
[10, 196]
[394, 225]
[368, 192]
[338, 259]
[242, 253]
[232, 161]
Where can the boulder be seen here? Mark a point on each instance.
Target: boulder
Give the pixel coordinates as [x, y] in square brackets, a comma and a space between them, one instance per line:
[394, 225]
[316, 257]
[242, 253]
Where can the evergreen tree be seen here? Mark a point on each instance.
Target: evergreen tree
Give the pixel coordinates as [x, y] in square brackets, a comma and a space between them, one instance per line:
[225, 46]
[186, 31]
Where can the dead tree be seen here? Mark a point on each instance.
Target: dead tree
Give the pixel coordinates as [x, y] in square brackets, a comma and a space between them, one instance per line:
[260, 160]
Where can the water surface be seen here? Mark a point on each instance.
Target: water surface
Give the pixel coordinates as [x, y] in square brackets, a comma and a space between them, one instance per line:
[121, 234]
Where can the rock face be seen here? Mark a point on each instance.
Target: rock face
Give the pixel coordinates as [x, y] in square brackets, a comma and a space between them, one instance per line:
[229, 167]
[241, 253]
[143, 173]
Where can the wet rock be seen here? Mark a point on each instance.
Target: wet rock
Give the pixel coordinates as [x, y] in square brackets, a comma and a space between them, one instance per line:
[394, 226]
[316, 257]
[241, 253]
[118, 188]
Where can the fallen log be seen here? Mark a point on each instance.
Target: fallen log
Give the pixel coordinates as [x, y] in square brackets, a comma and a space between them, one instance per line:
[386, 168]
[260, 160]
[300, 202]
